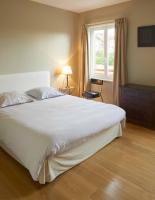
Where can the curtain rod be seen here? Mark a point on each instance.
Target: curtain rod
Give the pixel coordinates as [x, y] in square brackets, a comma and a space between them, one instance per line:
[99, 23]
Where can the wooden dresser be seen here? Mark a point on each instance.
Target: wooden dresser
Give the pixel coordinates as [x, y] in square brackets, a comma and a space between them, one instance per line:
[139, 103]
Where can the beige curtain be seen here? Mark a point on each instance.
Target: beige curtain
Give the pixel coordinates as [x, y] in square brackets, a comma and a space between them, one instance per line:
[120, 70]
[84, 62]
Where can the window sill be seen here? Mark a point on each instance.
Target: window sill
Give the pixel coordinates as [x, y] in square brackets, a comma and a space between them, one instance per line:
[106, 80]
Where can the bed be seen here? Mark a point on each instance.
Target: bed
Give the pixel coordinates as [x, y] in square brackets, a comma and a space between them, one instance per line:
[51, 136]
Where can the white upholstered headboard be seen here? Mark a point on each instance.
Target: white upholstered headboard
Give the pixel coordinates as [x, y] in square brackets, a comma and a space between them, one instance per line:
[24, 81]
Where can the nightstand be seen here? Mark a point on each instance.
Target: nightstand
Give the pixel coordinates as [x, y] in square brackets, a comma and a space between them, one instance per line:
[67, 90]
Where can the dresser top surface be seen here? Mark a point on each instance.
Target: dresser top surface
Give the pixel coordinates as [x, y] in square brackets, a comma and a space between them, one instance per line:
[140, 87]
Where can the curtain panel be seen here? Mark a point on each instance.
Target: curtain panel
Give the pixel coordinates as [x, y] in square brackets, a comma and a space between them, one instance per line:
[120, 68]
[84, 62]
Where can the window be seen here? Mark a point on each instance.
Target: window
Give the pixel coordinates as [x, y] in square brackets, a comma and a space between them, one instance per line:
[101, 51]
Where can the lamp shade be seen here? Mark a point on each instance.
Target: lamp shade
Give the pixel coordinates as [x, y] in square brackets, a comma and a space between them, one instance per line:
[67, 70]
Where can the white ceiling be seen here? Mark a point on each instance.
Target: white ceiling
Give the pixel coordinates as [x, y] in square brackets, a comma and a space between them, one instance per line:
[79, 5]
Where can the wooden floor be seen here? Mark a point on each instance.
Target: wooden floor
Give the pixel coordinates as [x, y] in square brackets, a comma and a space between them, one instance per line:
[124, 170]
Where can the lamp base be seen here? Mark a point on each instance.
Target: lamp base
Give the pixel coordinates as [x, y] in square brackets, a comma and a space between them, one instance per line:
[67, 81]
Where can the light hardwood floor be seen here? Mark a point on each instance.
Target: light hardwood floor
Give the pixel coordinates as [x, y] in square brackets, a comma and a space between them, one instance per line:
[123, 170]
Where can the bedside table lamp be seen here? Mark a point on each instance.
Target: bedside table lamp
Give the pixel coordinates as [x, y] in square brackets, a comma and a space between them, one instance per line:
[67, 70]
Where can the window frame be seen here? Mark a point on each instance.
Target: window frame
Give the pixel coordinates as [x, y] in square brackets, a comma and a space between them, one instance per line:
[91, 30]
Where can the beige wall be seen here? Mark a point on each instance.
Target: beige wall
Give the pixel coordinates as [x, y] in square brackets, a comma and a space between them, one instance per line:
[141, 61]
[36, 37]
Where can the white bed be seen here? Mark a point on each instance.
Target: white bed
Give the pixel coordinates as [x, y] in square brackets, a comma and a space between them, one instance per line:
[51, 136]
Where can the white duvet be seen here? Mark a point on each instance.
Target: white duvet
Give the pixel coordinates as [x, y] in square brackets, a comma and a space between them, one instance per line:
[36, 130]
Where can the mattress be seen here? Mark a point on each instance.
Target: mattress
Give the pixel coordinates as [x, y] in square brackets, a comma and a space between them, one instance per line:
[35, 132]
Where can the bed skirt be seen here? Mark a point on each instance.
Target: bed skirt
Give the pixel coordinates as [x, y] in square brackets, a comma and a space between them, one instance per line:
[58, 164]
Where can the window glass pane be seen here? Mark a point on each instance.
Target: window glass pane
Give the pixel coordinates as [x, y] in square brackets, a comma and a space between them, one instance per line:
[99, 52]
[111, 52]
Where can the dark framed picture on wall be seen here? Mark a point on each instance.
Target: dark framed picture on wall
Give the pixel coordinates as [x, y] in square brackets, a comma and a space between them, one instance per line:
[146, 36]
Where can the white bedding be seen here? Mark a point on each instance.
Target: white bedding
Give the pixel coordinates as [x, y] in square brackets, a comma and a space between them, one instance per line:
[37, 130]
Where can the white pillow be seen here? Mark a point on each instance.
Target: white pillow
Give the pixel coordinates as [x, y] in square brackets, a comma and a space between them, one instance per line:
[44, 93]
[13, 98]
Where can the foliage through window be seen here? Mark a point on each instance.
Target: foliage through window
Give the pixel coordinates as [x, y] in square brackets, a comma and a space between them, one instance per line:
[101, 51]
